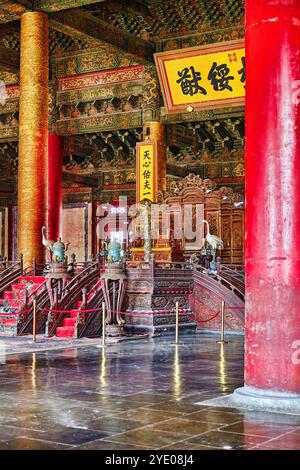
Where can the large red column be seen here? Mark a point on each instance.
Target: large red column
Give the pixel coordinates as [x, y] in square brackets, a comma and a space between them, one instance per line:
[54, 186]
[272, 366]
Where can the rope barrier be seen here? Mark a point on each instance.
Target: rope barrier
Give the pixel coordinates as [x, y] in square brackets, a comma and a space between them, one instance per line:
[235, 308]
[161, 312]
[48, 310]
[199, 321]
[154, 312]
[139, 314]
[135, 314]
[129, 313]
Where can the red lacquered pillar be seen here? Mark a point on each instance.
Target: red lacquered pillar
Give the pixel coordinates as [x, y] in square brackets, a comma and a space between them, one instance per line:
[54, 186]
[272, 365]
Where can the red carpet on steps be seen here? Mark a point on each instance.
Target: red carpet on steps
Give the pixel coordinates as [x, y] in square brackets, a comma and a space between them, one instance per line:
[68, 328]
[69, 322]
[13, 300]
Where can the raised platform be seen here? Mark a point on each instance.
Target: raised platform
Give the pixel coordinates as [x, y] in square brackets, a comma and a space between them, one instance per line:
[153, 292]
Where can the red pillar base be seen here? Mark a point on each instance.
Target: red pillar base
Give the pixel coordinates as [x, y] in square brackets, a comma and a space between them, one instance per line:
[258, 399]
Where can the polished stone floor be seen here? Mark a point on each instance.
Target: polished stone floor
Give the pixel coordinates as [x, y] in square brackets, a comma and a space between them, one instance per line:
[136, 395]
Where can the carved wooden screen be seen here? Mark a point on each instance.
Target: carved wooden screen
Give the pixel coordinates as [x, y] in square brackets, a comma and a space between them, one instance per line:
[189, 197]
[223, 210]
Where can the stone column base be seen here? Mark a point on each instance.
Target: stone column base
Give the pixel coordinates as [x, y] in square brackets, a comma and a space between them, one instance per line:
[266, 400]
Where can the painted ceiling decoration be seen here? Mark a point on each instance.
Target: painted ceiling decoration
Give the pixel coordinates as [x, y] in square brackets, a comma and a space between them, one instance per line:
[58, 42]
[10, 10]
[102, 150]
[142, 18]
[58, 5]
[88, 37]
[154, 19]
[191, 147]
[84, 24]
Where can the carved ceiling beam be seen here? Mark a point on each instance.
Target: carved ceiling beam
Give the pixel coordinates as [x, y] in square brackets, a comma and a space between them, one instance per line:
[81, 180]
[9, 60]
[12, 10]
[84, 25]
[132, 6]
[58, 5]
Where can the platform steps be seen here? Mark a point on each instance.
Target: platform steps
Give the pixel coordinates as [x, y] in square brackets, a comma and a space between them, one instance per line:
[67, 330]
[69, 322]
[13, 302]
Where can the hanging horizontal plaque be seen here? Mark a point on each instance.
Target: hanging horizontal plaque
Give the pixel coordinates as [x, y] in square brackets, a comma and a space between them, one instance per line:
[203, 77]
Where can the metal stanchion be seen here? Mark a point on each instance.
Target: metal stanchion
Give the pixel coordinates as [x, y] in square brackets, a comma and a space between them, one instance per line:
[222, 340]
[34, 322]
[103, 324]
[177, 323]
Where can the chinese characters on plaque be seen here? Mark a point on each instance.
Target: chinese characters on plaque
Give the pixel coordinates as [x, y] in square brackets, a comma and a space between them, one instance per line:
[146, 171]
[203, 77]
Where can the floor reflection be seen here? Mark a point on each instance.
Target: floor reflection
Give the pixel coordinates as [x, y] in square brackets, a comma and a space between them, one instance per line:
[177, 373]
[140, 394]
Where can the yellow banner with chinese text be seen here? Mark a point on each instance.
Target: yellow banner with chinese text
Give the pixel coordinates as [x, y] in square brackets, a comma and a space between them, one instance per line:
[146, 171]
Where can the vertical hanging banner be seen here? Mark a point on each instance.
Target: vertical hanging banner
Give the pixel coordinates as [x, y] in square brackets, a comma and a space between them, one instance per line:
[146, 166]
[203, 77]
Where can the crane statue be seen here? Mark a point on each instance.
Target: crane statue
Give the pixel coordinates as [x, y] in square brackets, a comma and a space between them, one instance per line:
[213, 241]
[47, 243]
